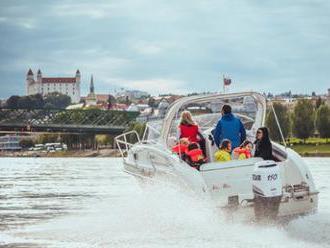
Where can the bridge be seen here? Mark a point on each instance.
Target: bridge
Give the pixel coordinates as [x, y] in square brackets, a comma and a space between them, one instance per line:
[92, 121]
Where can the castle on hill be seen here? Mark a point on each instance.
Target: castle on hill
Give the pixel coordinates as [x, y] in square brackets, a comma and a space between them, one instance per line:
[69, 86]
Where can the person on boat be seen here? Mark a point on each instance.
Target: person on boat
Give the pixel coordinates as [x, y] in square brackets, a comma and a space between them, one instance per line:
[229, 127]
[224, 152]
[181, 147]
[195, 156]
[263, 144]
[244, 151]
[190, 130]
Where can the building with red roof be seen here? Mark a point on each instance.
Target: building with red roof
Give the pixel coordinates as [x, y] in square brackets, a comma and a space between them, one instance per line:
[69, 86]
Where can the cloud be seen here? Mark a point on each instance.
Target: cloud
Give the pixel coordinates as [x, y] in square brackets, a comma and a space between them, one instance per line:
[26, 23]
[155, 86]
[162, 45]
[98, 11]
[147, 49]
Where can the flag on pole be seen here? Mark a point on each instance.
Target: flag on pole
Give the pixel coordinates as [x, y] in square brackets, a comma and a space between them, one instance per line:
[226, 81]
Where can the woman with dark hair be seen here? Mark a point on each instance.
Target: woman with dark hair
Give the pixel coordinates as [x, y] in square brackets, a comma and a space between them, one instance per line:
[263, 144]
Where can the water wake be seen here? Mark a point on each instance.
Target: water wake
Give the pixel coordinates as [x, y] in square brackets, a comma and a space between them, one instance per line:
[162, 216]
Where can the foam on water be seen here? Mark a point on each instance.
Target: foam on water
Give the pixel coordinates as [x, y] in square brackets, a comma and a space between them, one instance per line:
[163, 216]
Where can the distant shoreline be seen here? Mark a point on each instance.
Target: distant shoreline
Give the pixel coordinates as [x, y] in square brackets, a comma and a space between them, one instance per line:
[311, 155]
[111, 153]
[107, 153]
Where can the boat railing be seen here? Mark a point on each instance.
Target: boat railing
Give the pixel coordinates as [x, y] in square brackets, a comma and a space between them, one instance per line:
[124, 141]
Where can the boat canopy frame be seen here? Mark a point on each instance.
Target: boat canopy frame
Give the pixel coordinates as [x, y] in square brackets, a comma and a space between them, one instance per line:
[175, 107]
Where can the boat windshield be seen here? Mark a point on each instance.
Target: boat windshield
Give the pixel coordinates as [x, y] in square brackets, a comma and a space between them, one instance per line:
[207, 113]
[153, 130]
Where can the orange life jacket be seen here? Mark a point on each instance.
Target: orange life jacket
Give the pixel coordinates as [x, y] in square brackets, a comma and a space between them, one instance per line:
[244, 151]
[195, 155]
[180, 148]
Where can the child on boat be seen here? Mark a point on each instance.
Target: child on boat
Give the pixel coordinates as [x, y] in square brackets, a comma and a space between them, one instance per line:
[244, 151]
[224, 152]
[195, 156]
[181, 147]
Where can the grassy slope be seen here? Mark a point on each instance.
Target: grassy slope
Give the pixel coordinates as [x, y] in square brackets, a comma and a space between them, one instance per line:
[311, 147]
[324, 148]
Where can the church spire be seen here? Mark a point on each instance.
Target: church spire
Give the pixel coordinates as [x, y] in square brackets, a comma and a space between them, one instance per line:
[91, 87]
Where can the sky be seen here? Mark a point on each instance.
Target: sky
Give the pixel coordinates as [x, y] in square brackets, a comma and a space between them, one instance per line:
[168, 46]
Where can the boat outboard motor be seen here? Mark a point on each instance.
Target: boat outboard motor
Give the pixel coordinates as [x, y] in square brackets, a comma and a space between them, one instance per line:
[267, 189]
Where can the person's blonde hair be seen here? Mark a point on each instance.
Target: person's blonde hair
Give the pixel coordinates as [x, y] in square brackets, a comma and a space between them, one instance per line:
[184, 141]
[186, 118]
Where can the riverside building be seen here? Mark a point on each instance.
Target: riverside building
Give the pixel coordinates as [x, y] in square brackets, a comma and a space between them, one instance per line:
[10, 143]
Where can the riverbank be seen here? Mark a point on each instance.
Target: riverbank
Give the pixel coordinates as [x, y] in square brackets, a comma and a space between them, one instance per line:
[64, 154]
[304, 150]
[312, 150]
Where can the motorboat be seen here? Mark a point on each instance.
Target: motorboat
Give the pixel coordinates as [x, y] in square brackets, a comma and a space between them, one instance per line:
[250, 188]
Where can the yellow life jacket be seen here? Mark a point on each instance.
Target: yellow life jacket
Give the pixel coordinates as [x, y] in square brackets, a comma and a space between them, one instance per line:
[242, 156]
[222, 156]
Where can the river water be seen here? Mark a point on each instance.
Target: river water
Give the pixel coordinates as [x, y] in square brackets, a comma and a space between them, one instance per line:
[90, 202]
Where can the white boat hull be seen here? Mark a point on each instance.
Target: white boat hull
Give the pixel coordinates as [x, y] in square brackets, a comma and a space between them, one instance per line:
[222, 181]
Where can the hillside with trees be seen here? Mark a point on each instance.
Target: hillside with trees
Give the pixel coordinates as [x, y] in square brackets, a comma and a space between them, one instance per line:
[53, 100]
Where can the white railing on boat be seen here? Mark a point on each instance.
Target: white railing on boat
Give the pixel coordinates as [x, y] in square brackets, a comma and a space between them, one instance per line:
[124, 143]
[122, 140]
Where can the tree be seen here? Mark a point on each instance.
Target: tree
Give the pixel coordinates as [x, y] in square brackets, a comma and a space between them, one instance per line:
[25, 102]
[127, 101]
[139, 128]
[12, 102]
[38, 101]
[57, 100]
[47, 138]
[111, 101]
[31, 102]
[26, 143]
[104, 139]
[323, 121]
[319, 102]
[152, 102]
[284, 120]
[303, 119]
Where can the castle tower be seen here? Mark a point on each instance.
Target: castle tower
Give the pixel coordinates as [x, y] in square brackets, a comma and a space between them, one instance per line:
[76, 97]
[78, 76]
[29, 76]
[30, 87]
[39, 82]
[39, 76]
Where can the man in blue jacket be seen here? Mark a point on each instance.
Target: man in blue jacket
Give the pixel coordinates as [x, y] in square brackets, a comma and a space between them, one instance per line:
[229, 127]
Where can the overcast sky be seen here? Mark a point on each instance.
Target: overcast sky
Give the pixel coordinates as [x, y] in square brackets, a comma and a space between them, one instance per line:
[164, 46]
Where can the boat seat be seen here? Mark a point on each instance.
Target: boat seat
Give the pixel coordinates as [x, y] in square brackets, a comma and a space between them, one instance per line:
[229, 164]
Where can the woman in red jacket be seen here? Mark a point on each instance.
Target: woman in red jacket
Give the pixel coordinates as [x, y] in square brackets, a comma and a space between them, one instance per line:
[190, 130]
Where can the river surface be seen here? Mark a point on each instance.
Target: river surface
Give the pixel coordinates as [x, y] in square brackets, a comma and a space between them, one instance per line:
[90, 202]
